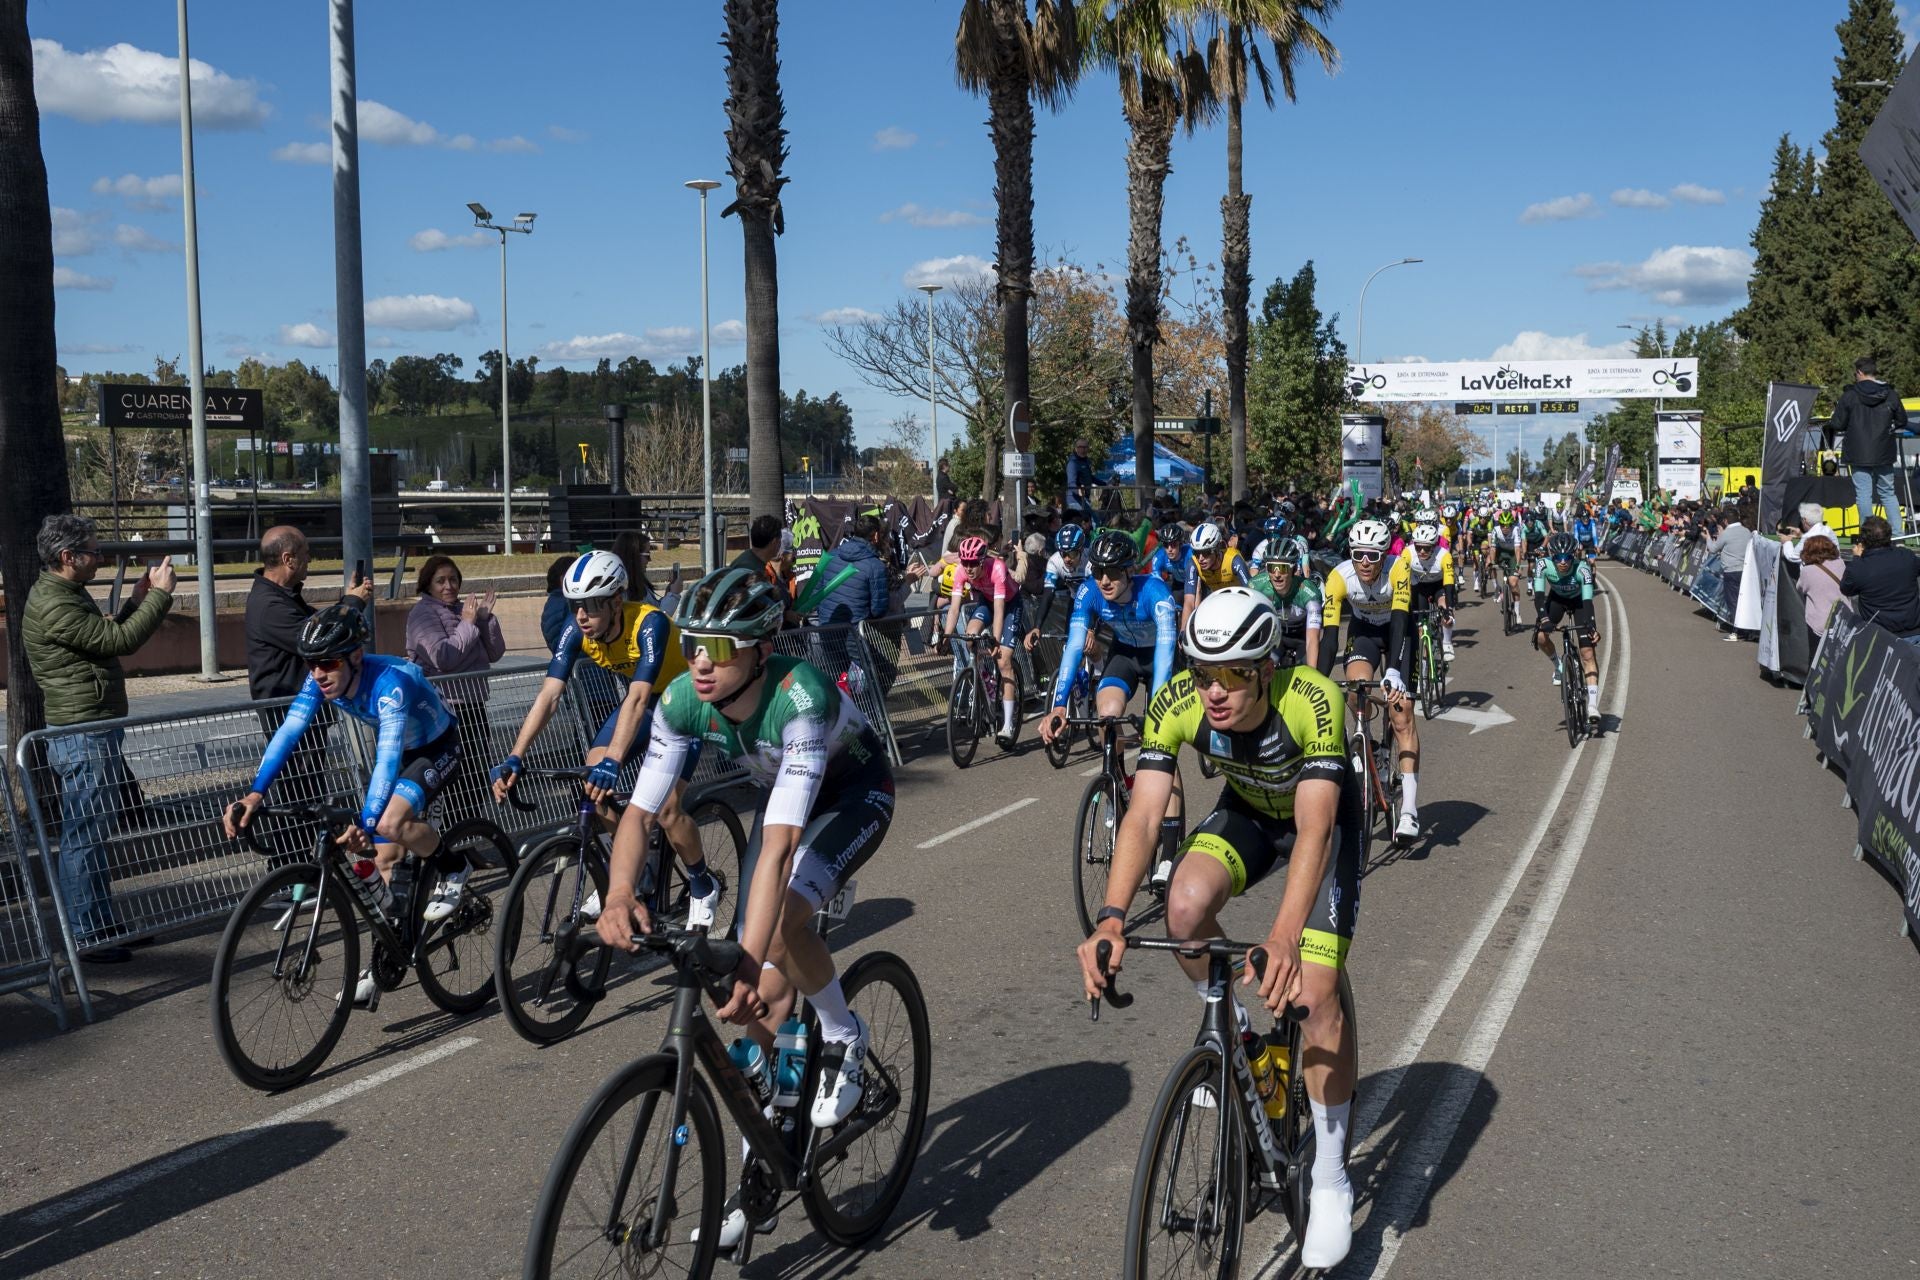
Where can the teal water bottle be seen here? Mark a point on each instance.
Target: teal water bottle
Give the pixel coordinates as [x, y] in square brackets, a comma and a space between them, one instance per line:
[747, 1056]
[790, 1062]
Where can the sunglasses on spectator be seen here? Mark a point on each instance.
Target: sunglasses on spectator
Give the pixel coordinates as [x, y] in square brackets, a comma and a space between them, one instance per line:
[717, 648]
[1232, 679]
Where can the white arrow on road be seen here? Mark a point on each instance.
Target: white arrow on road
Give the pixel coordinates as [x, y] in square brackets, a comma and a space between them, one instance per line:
[1489, 717]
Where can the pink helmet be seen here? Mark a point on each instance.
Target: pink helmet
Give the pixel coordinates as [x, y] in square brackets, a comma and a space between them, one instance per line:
[972, 549]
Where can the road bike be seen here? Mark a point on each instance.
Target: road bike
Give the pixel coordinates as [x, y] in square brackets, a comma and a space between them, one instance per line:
[638, 1185]
[975, 700]
[289, 961]
[1573, 697]
[1508, 601]
[1375, 763]
[1079, 707]
[556, 895]
[1429, 664]
[1102, 807]
[1213, 1155]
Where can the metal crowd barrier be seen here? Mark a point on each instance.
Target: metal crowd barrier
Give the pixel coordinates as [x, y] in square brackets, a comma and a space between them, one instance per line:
[27, 962]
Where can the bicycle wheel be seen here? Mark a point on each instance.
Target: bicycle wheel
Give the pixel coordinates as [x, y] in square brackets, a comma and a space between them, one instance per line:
[455, 964]
[963, 729]
[851, 1191]
[1296, 1125]
[1429, 675]
[542, 910]
[723, 844]
[1189, 1199]
[283, 978]
[595, 1213]
[1094, 832]
[1571, 692]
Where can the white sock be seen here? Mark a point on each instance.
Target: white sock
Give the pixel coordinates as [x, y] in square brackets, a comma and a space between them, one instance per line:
[1593, 693]
[836, 1020]
[1006, 709]
[1330, 1143]
[1446, 635]
[1205, 989]
[1409, 786]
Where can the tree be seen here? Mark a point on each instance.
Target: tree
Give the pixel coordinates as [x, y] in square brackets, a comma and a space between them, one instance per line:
[376, 383]
[1429, 439]
[1232, 48]
[1781, 322]
[1015, 60]
[33, 455]
[1295, 378]
[756, 150]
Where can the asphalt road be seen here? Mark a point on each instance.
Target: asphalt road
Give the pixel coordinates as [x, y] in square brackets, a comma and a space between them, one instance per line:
[1626, 1011]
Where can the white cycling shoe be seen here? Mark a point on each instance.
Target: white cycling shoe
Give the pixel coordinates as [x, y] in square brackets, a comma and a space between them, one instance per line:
[841, 1083]
[366, 994]
[1409, 828]
[1446, 651]
[446, 895]
[733, 1225]
[1329, 1227]
[701, 911]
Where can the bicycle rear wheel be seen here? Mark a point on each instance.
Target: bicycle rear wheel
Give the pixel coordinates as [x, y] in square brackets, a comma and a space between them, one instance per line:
[544, 908]
[1296, 1125]
[853, 1188]
[723, 844]
[1429, 675]
[283, 977]
[595, 1214]
[1571, 693]
[1094, 832]
[1189, 1200]
[963, 728]
[455, 965]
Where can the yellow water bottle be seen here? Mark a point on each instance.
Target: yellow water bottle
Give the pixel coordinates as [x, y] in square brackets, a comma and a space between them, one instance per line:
[1274, 1055]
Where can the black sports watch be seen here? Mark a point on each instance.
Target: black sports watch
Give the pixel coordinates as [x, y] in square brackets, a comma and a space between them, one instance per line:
[1110, 913]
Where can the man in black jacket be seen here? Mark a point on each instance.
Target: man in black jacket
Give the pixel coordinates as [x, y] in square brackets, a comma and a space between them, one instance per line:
[1868, 414]
[1885, 579]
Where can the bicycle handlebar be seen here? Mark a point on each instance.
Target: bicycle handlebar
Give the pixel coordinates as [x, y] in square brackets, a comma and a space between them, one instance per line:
[334, 818]
[1101, 722]
[577, 774]
[1102, 957]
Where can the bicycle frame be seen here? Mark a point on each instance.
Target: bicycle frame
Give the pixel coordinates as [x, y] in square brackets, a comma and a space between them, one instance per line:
[329, 861]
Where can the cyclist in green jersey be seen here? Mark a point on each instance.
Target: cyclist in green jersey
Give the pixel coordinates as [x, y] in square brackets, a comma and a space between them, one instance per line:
[1295, 595]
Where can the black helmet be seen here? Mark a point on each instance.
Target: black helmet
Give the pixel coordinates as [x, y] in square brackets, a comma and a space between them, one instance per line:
[731, 602]
[335, 632]
[1561, 546]
[1113, 550]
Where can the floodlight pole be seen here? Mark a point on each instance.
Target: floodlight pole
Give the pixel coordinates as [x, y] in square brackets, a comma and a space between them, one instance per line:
[196, 374]
[709, 560]
[522, 223]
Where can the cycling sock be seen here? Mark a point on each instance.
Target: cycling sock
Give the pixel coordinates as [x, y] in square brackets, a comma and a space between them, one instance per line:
[1205, 988]
[1409, 787]
[1330, 1143]
[1446, 633]
[449, 862]
[1593, 693]
[700, 881]
[1171, 830]
[1006, 711]
[836, 1020]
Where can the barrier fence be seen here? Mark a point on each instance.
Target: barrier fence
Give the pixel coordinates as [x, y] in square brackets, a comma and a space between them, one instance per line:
[26, 960]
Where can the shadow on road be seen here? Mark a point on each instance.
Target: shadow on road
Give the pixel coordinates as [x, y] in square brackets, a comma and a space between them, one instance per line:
[1443, 822]
[122, 1205]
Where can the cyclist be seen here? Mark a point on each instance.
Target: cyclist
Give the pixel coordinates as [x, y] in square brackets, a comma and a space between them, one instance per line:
[417, 755]
[1066, 570]
[1430, 570]
[827, 800]
[1586, 532]
[1564, 584]
[1277, 734]
[1509, 544]
[1295, 597]
[1171, 557]
[994, 601]
[1380, 595]
[1212, 565]
[634, 641]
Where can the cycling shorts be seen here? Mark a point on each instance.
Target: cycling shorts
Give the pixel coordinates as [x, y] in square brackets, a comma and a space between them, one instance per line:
[1557, 610]
[1506, 559]
[425, 771]
[1010, 626]
[638, 748]
[1439, 595]
[1250, 845]
[1290, 650]
[843, 831]
[1367, 642]
[1126, 670]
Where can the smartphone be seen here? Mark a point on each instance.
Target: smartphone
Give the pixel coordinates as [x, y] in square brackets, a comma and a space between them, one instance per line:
[359, 572]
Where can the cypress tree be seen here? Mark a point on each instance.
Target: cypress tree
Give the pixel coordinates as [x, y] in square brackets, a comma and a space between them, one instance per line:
[1786, 305]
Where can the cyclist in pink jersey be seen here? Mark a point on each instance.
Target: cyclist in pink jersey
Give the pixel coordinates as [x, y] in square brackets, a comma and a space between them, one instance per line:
[985, 589]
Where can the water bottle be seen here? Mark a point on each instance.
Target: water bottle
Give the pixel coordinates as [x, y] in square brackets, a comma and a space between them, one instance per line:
[747, 1056]
[1273, 1060]
[790, 1063]
[372, 889]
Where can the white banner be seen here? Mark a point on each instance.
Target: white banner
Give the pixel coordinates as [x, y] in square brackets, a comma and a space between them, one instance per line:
[1525, 380]
[1761, 585]
[1363, 448]
[1677, 446]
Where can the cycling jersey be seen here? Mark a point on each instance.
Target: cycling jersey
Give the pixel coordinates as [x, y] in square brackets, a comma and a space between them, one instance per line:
[1304, 735]
[1506, 537]
[1576, 585]
[1147, 619]
[1299, 609]
[1232, 569]
[645, 648]
[1436, 568]
[1390, 593]
[1171, 566]
[1061, 577]
[1586, 532]
[992, 581]
[391, 694]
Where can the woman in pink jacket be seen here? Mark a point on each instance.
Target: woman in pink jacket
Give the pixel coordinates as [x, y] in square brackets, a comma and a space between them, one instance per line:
[458, 639]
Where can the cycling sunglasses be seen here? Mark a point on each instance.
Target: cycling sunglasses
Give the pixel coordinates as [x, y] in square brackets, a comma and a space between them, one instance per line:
[717, 648]
[970, 565]
[1369, 557]
[1111, 571]
[326, 665]
[1563, 559]
[1231, 678]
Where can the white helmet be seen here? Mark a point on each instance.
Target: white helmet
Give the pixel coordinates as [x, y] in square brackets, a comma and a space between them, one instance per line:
[1425, 534]
[1207, 537]
[1233, 624]
[1368, 535]
[1426, 515]
[594, 576]
[1450, 510]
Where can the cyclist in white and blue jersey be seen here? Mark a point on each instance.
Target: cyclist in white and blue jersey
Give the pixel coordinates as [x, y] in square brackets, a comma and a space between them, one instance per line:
[1169, 561]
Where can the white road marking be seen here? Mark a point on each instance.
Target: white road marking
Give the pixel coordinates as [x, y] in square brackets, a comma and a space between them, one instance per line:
[977, 823]
[117, 1188]
[1416, 1164]
[1490, 717]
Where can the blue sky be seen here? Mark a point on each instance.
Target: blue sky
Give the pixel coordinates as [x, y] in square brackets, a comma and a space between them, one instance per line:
[1561, 173]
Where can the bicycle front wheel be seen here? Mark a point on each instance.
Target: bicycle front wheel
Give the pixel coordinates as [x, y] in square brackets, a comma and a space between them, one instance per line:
[551, 891]
[853, 1185]
[963, 730]
[455, 965]
[1094, 832]
[283, 978]
[1189, 1200]
[1429, 677]
[610, 1181]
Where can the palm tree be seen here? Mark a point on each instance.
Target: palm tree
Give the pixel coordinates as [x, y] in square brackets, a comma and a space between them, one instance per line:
[1015, 60]
[33, 455]
[1163, 85]
[1233, 46]
[756, 148]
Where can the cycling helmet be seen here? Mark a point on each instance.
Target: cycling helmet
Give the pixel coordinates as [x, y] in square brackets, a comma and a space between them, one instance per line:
[731, 602]
[972, 550]
[1112, 550]
[1425, 534]
[1280, 550]
[1276, 526]
[1450, 510]
[334, 632]
[1232, 624]
[1505, 518]
[1561, 546]
[1173, 534]
[1368, 535]
[1209, 537]
[1293, 550]
[1287, 508]
[594, 576]
[1070, 539]
[1426, 515]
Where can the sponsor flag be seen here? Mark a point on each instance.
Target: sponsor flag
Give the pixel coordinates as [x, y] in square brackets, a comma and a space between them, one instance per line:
[1607, 473]
[1789, 417]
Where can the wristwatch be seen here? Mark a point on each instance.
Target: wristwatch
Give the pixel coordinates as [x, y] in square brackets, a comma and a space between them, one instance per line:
[1110, 913]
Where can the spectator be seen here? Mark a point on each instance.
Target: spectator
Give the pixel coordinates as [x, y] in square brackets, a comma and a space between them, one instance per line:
[1869, 413]
[1884, 578]
[1731, 546]
[1079, 494]
[763, 547]
[1819, 585]
[1813, 524]
[942, 482]
[853, 578]
[445, 634]
[74, 654]
[558, 610]
[276, 610]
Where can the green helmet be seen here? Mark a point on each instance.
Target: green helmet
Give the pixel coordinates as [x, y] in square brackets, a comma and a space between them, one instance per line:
[731, 602]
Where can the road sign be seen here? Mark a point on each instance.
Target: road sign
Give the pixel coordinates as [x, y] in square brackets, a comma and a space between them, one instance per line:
[1559, 406]
[1513, 409]
[1020, 425]
[1017, 466]
[736, 455]
[1174, 424]
[129, 405]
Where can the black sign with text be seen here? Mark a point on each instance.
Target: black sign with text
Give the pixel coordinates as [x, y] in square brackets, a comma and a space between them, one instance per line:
[1466, 408]
[1559, 406]
[1513, 409]
[131, 405]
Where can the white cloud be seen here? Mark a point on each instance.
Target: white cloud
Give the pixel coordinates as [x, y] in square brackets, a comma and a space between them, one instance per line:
[68, 278]
[560, 133]
[421, 311]
[916, 215]
[845, 315]
[303, 335]
[143, 193]
[1560, 209]
[1690, 193]
[140, 240]
[730, 333]
[1680, 276]
[97, 348]
[516, 145]
[433, 239]
[382, 124]
[384, 343]
[304, 153]
[462, 142]
[668, 343]
[894, 138]
[1533, 344]
[73, 232]
[947, 271]
[125, 83]
[1639, 198]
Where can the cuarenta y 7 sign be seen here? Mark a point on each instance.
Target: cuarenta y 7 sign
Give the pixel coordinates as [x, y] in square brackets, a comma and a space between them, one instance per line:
[1525, 380]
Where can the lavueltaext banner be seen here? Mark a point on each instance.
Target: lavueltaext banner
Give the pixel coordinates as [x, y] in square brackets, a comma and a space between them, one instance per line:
[1525, 380]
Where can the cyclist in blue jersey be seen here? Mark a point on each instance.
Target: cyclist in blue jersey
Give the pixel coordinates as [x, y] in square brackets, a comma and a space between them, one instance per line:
[417, 752]
[1170, 558]
[1586, 532]
[1066, 570]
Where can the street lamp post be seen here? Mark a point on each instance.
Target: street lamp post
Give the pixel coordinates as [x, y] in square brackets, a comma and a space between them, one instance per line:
[522, 223]
[707, 557]
[1360, 336]
[196, 373]
[933, 401]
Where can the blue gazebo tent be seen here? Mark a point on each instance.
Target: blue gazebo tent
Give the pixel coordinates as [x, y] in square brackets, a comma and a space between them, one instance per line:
[1169, 468]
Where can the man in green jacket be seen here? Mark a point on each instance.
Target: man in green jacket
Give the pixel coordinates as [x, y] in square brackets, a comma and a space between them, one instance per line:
[74, 653]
